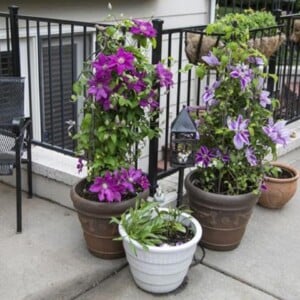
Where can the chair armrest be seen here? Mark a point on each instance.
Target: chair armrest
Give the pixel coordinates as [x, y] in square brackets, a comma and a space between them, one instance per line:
[23, 124]
[20, 124]
[17, 124]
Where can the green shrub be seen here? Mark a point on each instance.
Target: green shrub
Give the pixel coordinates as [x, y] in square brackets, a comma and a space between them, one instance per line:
[242, 22]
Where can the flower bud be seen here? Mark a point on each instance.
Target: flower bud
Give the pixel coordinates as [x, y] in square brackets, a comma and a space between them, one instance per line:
[117, 119]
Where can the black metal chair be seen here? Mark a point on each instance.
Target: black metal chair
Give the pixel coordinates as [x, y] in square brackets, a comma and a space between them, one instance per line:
[15, 136]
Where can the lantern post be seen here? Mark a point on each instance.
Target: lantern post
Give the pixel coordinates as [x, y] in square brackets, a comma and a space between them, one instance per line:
[184, 135]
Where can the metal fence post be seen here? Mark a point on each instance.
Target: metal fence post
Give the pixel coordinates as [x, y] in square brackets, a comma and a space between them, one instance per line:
[153, 145]
[272, 60]
[15, 43]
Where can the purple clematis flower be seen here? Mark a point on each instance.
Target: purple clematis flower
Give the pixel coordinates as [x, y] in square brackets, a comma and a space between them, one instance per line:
[137, 84]
[143, 28]
[264, 99]
[209, 94]
[144, 182]
[251, 157]
[277, 132]
[256, 60]
[164, 76]
[101, 91]
[242, 134]
[211, 59]
[223, 156]
[243, 73]
[133, 177]
[103, 65]
[123, 61]
[150, 101]
[204, 156]
[107, 188]
[131, 180]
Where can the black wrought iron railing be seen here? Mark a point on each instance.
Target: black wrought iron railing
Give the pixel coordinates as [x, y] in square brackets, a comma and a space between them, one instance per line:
[51, 53]
[227, 6]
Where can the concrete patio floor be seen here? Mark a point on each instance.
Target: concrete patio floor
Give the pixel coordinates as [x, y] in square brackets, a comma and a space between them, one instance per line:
[49, 259]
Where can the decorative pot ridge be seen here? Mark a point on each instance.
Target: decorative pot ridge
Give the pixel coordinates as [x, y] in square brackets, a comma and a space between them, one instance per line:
[161, 269]
[95, 218]
[223, 217]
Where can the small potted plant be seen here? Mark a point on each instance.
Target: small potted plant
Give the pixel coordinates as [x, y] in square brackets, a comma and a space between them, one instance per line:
[119, 89]
[159, 245]
[280, 185]
[236, 133]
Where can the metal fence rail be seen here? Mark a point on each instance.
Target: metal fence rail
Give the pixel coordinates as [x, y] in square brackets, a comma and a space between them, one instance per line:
[288, 70]
[228, 6]
[52, 52]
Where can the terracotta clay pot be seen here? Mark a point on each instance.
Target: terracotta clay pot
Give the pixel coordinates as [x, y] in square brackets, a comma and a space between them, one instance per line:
[279, 190]
[223, 217]
[95, 221]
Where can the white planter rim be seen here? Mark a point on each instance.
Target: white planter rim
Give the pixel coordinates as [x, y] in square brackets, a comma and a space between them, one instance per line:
[162, 249]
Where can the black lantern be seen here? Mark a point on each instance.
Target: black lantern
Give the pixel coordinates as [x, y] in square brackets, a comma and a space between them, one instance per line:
[183, 139]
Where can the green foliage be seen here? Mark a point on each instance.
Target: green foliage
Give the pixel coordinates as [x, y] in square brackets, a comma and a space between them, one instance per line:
[231, 170]
[107, 138]
[237, 26]
[148, 225]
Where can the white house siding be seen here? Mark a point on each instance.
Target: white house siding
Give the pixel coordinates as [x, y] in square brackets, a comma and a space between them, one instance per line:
[175, 13]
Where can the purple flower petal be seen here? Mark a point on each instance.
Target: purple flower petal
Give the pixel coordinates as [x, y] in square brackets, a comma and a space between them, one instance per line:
[256, 60]
[243, 73]
[204, 156]
[251, 157]
[264, 99]
[164, 76]
[277, 132]
[143, 28]
[211, 59]
[242, 134]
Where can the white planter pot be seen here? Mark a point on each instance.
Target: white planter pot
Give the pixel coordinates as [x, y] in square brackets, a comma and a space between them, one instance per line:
[161, 269]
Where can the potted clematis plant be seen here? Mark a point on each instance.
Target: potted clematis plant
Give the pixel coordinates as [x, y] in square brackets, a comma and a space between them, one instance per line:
[119, 90]
[237, 132]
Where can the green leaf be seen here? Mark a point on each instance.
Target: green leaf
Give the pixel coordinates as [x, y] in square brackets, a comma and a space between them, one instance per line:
[114, 138]
[154, 43]
[111, 30]
[201, 71]
[77, 88]
[251, 131]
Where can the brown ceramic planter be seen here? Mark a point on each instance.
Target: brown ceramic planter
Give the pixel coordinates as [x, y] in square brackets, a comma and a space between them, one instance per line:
[223, 217]
[95, 221]
[279, 190]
